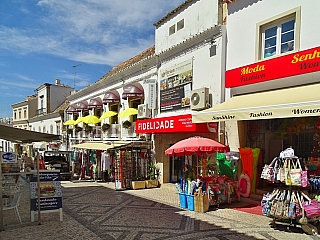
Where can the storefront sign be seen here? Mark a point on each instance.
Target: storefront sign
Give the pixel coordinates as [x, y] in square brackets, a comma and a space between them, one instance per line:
[50, 191]
[8, 157]
[289, 65]
[152, 94]
[175, 86]
[182, 123]
[258, 114]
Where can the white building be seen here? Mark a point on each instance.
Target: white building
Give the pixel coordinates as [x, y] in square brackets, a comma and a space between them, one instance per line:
[43, 112]
[272, 78]
[188, 64]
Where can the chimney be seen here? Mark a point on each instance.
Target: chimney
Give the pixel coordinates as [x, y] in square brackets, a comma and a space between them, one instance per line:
[57, 81]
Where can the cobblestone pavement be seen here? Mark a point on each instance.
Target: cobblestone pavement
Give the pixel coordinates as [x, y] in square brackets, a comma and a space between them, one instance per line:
[97, 211]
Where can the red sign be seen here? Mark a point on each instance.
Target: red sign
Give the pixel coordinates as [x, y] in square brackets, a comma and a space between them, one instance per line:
[290, 65]
[181, 124]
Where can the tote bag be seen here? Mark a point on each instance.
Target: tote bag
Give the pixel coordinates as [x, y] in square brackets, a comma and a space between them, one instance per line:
[287, 173]
[295, 173]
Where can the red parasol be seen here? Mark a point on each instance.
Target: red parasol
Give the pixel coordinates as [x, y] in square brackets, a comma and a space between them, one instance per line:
[196, 145]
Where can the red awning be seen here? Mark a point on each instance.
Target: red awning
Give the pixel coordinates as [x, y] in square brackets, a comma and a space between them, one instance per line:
[71, 109]
[111, 97]
[133, 90]
[95, 103]
[82, 106]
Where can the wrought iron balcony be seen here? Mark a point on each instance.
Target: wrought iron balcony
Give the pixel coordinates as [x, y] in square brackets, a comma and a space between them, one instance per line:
[41, 111]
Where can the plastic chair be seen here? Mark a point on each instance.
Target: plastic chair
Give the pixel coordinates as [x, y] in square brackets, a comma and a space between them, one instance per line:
[14, 205]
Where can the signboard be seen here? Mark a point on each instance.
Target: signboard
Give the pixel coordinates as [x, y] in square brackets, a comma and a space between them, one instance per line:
[50, 191]
[9, 157]
[181, 123]
[263, 112]
[152, 92]
[175, 86]
[289, 65]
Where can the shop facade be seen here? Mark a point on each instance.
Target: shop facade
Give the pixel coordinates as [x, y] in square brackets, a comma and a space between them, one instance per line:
[271, 81]
[187, 66]
[168, 130]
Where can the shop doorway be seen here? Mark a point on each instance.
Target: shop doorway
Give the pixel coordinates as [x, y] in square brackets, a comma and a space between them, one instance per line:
[176, 167]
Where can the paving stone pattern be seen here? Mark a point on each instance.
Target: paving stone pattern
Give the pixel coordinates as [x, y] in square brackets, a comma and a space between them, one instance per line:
[97, 211]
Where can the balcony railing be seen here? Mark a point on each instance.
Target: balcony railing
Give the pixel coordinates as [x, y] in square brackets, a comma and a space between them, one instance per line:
[41, 111]
[129, 132]
[113, 132]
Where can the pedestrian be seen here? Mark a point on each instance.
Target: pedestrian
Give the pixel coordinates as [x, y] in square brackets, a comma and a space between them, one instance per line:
[28, 162]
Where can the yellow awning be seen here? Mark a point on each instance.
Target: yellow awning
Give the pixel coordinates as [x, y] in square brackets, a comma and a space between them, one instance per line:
[303, 101]
[100, 145]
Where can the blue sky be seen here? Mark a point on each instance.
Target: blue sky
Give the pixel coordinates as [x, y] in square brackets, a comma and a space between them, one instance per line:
[41, 40]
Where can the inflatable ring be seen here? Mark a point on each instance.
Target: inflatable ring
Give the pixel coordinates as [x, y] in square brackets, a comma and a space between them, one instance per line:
[244, 185]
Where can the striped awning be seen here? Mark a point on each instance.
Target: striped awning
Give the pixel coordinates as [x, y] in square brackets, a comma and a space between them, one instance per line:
[99, 145]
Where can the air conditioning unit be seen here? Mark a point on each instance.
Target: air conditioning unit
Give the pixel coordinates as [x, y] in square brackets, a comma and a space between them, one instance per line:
[199, 98]
[143, 111]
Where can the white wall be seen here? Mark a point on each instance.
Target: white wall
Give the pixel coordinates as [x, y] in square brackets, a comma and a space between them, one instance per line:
[207, 72]
[198, 17]
[241, 26]
[47, 123]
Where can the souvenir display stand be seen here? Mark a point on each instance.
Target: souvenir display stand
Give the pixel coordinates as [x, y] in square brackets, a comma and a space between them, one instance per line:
[130, 168]
[289, 203]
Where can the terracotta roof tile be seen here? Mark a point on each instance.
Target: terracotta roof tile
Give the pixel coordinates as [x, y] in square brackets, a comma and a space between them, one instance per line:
[62, 107]
[130, 62]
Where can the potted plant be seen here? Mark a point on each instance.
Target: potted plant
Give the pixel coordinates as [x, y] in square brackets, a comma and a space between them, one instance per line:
[88, 129]
[126, 124]
[105, 127]
[78, 129]
[138, 183]
[152, 174]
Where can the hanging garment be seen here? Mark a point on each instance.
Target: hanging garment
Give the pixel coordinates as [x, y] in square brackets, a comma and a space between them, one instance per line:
[105, 161]
[255, 154]
[247, 162]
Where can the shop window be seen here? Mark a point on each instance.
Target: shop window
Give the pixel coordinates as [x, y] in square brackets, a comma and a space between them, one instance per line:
[304, 145]
[115, 108]
[172, 30]
[180, 25]
[85, 113]
[134, 103]
[279, 35]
